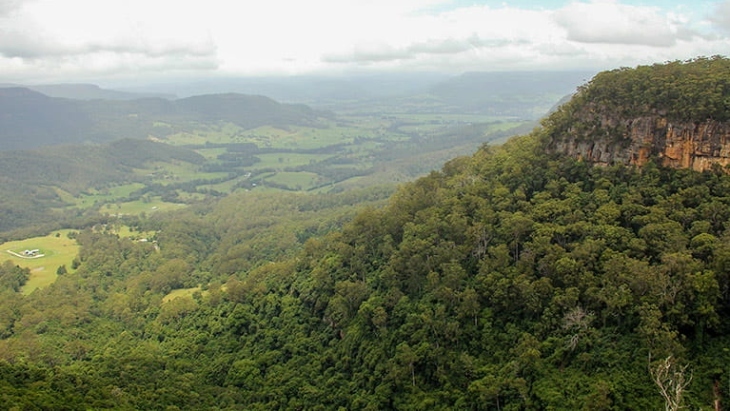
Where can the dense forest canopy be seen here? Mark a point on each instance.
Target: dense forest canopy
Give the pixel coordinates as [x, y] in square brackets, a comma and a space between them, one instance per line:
[511, 279]
[682, 91]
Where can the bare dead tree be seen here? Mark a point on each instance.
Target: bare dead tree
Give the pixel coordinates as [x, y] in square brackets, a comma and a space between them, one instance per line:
[672, 381]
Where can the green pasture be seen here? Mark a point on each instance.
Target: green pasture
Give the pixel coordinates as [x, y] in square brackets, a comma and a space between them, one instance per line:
[93, 197]
[504, 125]
[220, 134]
[438, 125]
[211, 153]
[182, 292]
[65, 196]
[360, 164]
[191, 197]
[365, 146]
[284, 160]
[445, 118]
[362, 121]
[56, 250]
[361, 137]
[155, 204]
[303, 138]
[178, 172]
[224, 187]
[295, 180]
[180, 139]
[124, 231]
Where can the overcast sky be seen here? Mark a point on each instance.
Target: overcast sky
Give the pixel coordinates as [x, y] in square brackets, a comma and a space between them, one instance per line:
[113, 41]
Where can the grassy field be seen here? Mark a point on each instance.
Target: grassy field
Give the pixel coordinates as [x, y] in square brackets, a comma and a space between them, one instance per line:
[225, 187]
[283, 160]
[125, 232]
[177, 172]
[388, 146]
[183, 292]
[93, 197]
[210, 153]
[295, 180]
[299, 138]
[221, 134]
[57, 250]
[139, 206]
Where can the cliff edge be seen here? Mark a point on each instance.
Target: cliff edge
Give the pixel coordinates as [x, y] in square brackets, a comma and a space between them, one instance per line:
[677, 114]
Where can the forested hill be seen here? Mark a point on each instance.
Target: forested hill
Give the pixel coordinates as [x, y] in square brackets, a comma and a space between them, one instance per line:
[30, 119]
[677, 114]
[512, 279]
[31, 180]
[86, 92]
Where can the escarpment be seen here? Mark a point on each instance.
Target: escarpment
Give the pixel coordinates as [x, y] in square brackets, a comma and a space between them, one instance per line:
[698, 146]
[676, 114]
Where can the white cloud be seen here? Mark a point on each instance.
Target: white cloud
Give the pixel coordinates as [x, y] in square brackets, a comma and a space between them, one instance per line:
[721, 16]
[9, 6]
[77, 37]
[50, 39]
[610, 22]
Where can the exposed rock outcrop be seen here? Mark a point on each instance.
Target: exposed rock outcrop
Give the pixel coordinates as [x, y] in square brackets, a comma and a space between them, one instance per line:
[676, 114]
[697, 146]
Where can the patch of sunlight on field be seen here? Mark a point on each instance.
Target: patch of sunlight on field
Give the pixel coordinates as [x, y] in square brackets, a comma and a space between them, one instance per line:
[139, 207]
[183, 292]
[93, 197]
[54, 250]
[126, 232]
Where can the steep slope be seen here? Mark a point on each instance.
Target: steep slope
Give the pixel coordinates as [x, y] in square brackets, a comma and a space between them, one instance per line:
[247, 111]
[677, 114]
[29, 179]
[29, 119]
[512, 279]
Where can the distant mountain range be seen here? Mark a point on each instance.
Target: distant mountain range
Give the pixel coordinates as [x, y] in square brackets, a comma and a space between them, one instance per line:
[40, 115]
[87, 92]
[527, 95]
[29, 119]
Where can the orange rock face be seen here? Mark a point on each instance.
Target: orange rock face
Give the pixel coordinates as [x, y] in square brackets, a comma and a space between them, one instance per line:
[697, 146]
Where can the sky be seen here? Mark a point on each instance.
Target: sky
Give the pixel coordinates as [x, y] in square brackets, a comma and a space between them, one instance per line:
[128, 41]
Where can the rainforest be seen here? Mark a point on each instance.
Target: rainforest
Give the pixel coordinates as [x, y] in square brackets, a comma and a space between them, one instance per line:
[515, 277]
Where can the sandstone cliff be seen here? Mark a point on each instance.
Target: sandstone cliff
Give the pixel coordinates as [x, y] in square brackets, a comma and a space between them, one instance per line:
[677, 114]
[681, 145]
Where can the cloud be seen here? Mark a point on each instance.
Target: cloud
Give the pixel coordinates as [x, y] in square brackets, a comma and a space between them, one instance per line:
[113, 37]
[35, 42]
[454, 46]
[16, 44]
[8, 7]
[368, 53]
[720, 17]
[474, 32]
[610, 22]
[428, 47]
